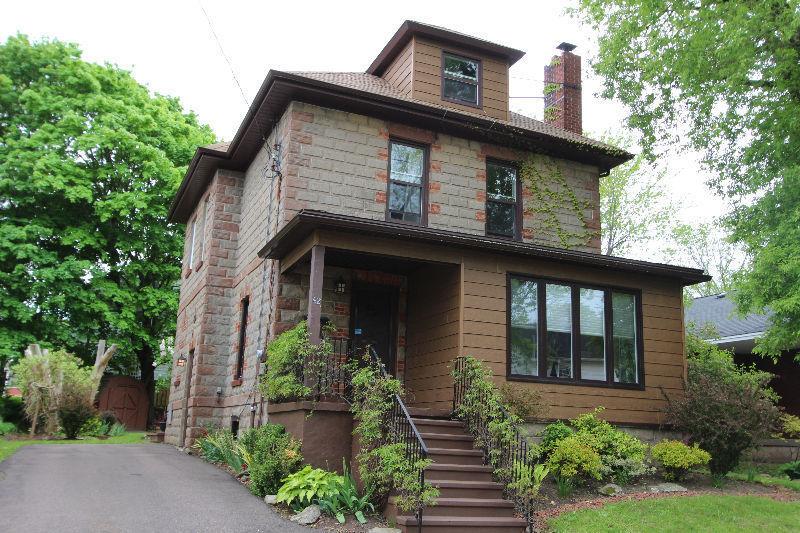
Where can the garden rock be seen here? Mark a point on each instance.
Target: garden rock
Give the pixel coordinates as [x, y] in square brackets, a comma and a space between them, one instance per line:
[307, 516]
[384, 530]
[270, 499]
[668, 487]
[610, 489]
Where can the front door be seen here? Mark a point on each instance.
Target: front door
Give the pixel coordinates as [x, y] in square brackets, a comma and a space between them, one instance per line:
[373, 320]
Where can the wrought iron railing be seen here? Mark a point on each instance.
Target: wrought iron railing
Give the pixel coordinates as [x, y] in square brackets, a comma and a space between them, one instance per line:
[508, 455]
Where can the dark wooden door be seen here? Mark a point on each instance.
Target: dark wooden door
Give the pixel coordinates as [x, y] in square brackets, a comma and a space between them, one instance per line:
[373, 320]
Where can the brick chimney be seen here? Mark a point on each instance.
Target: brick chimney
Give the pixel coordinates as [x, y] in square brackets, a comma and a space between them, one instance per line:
[562, 90]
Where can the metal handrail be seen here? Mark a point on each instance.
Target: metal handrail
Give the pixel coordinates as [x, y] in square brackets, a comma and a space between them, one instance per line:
[508, 454]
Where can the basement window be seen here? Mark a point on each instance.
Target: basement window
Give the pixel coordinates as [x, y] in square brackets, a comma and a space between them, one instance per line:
[574, 333]
[461, 79]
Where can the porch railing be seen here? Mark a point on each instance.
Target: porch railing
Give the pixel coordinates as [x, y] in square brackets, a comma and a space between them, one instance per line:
[508, 456]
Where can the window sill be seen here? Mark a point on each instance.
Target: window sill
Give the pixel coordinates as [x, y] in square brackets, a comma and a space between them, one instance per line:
[461, 102]
[575, 382]
[187, 273]
[236, 383]
[198, 266]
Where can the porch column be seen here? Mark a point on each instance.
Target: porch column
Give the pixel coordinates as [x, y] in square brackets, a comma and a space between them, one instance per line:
[315, 293]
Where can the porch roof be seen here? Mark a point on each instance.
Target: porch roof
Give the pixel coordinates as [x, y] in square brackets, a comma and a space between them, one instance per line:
[307, 221]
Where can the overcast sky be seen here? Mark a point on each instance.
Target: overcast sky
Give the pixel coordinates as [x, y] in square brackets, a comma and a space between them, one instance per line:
[168, 45]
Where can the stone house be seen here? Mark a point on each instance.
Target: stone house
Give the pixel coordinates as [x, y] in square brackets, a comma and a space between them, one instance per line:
[398, 205]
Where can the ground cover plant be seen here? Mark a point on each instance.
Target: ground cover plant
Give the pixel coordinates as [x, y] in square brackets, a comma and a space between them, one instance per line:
[711, 513]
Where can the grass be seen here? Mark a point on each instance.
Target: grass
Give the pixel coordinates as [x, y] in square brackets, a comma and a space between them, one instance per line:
[8, 447]
[768, 480]
[685, 513]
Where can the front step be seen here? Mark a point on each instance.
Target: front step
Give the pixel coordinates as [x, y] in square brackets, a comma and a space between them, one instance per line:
[458, 524]
[448, 440]
[436, 425]
[486, 507]
[455, 457]
[429, 412]
[484, 490]
[439, 471]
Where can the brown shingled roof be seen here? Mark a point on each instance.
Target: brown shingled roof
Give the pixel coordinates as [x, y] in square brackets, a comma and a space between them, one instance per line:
[376, 85]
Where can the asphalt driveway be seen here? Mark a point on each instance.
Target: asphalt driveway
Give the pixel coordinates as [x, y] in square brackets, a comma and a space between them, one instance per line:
[121, 488]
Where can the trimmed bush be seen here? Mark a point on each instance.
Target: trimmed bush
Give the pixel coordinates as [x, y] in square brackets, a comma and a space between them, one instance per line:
[676, 458]
[573, 458]
[726, 409]
[273, 455]
[552, 435]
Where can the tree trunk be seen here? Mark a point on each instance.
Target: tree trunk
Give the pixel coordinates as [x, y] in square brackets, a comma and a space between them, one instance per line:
[2, 376]
[145, 356]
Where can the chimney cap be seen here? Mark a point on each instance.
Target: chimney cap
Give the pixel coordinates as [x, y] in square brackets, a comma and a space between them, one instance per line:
[567, 47]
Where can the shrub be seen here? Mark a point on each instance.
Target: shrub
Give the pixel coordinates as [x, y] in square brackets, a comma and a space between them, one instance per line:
[272, 454]
[73, 412]
[288, 355]
[726, 409]
[12, 410]
[676, 458]
[552, 435]
[523, 401]
[791, 469]
[117, 430]
[94, 427]
[108, 418]
[790, 426]
[219, 446]
[6, 427]
[571, 460]
[308, 486]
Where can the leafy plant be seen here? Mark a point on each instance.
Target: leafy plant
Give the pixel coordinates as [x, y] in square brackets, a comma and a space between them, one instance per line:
[552, 435]
[12, 409]
[271, 454]
[346, 500]
[7, 427]
[726, 409]
[117, 430]
[307, 486]
[527, 480]
[219, 446]
[571, 460]
[676, 458]
[383, 464]
[791, 469]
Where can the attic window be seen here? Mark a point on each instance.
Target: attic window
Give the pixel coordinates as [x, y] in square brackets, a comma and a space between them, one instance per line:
[461, 79]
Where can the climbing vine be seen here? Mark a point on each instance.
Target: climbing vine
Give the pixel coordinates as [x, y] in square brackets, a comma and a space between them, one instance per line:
[552, 197]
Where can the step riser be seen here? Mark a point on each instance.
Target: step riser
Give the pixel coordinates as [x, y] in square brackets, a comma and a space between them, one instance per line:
[462, 492]
[449, 444]
[426, 427]
[447, 510]
[462, 529]
[456, 459]
[456, 475]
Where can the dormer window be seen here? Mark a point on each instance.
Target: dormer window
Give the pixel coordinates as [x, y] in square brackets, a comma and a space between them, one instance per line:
[461, 80]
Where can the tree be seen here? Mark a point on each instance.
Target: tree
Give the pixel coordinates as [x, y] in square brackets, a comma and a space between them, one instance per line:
[89, 162]
[634, 206]
[702, 246]
[722, 78]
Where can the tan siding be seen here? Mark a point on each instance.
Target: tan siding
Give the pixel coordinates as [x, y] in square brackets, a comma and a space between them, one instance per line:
[400, 71]
[427, 78]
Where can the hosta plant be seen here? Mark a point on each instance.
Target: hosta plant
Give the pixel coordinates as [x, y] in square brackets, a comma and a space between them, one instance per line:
[307, 486]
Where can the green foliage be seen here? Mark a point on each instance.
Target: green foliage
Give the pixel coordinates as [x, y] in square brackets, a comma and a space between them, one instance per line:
[553, 198]
[307, 486]
[95, 427]
[271, 454]
[89, 163]
[108, 418]
[219, 446]
[721, 78]
[12, 409]
[527, 480]
[634, 204]
[6, 427]
[117, 430]
[346, 500]
[383, 464]
[552, 435]
[572, 460]
[524, 402]
[791, 426]
[73, 412]
[726, 409]
[791, 469]
[676, 458]
[288, 355]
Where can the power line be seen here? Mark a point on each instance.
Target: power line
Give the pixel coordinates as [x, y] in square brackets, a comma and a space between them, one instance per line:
[222, 51]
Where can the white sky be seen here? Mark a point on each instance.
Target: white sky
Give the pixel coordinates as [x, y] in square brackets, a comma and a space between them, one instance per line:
[169, 47]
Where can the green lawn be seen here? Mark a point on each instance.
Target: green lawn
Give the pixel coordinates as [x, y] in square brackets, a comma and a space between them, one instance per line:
[685, 513]
[8, 447]
[768, 480]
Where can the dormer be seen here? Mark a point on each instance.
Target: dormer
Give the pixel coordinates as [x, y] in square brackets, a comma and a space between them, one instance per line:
[448, 68]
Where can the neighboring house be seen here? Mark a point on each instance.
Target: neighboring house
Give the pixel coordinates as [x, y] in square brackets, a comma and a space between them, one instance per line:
[390, 204]
[738, 334]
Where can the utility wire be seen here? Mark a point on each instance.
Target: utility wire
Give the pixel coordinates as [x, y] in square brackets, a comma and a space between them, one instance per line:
[222, 51]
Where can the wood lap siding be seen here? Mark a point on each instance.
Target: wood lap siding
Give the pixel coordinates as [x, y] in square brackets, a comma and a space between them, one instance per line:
[427, 78]
[400, 71]
[433, 334]
[485, 337]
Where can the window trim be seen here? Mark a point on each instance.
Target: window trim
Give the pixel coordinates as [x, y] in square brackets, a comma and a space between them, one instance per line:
[576, 357]
[238, 371]
[192, 242]
[423, 199]
[479, 84]
[518, 219]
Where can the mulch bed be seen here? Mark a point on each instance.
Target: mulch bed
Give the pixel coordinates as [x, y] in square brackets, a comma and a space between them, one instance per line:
[588, 498]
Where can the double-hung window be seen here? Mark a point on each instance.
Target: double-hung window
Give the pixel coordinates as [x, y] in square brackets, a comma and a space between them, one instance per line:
[407, 182]
[238, 370]
[502, 200]
[569, 332]
[461, 79]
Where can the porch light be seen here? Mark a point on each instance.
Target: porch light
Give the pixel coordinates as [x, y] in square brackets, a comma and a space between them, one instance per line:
[341, 286]
[181, 361]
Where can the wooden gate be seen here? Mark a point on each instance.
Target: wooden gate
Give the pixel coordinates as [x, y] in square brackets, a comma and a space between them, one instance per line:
[127, 398]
